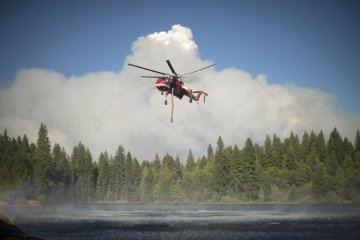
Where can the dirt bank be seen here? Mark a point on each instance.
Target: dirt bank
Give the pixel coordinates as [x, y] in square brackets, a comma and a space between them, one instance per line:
[9, 231]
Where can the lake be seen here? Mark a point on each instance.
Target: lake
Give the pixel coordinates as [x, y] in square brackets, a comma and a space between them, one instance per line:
[213, 221]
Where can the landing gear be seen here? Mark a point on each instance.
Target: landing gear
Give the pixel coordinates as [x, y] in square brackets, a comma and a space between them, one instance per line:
[190, 100]
[165, 102]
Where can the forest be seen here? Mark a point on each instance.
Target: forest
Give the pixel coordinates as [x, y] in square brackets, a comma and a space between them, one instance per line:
[304, 169]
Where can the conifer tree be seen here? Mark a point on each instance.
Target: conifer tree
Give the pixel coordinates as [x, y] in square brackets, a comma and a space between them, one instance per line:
[357, 141]
[351, 186]
[201, 163]
[102, 183]
[357, 162]
[82, 173]
[291, 159]
[177, 171]
[146, 185]
[321, 146]
[157, 164]
[60, 190]
[268, 158]
[335, 143]
[266, 185]
[168, 162]
[348, 147]
[251, 185]
[237, 171]
[305, 146]
[43, 166]
[190, 163]
[210, 152]
[128, 177]
[136, 176]
[313, 139]
[188, 181]
[43, 147]
[119, 172]
[218, 173]
[89, 178]
[319, 183]
[277, 151]
[162, 187]
[332, 163]
[313, 158]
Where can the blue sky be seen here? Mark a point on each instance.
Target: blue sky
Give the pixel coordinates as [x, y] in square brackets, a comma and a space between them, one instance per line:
[310, 43]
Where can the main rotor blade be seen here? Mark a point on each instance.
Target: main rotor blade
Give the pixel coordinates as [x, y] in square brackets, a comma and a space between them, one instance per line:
[147, 69]
[171, 68]
[197, 70]
[152, 76]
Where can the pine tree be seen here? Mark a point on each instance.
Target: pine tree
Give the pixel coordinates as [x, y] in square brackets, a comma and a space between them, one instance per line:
[190, 163]
[168, 162]
[277, 151]
[201, 163]
[357, 141]
[332, 163]
[251, 185]
[128, 177]
[118, 169]
[305, 146]
[43, 147]
[25, 167]
[102, 183]
[229, 156]
[162, 187]
[146, 185]
[348, 147]
[236, 171]
[313, 158]
[157, 164]
[136, 177]
[352, 183]
[268, 158]
[295, 143]
[291, 159]
[218, 179]
[82, 173]
[210, 152]
[188, 182]
[266, 179]
[89, 178]
[321, 146]
[357, 161]
[43, 167]
[177, 171]
[60, 191]
[335, 143]
[313, 139]
[319, 184]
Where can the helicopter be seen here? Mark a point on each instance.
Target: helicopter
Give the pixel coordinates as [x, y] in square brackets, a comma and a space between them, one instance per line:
[172, 84]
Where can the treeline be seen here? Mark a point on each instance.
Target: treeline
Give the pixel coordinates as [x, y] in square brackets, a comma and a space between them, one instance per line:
[306, 170]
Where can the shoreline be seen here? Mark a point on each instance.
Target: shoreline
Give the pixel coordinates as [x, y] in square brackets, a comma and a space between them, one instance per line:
[9, 230]
[36, 204]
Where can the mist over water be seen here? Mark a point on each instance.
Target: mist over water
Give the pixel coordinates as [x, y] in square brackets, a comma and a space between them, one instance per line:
[221, 221]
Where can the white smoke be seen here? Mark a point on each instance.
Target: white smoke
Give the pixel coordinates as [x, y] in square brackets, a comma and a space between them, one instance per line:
[106, 109]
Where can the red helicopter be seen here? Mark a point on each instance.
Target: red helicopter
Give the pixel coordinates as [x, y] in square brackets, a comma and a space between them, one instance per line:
[172, 84]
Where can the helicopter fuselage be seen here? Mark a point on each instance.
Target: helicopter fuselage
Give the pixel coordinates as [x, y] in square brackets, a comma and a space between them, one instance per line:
[169, 85]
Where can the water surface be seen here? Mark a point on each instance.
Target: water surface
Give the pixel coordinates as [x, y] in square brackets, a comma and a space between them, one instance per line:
[191, 221]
